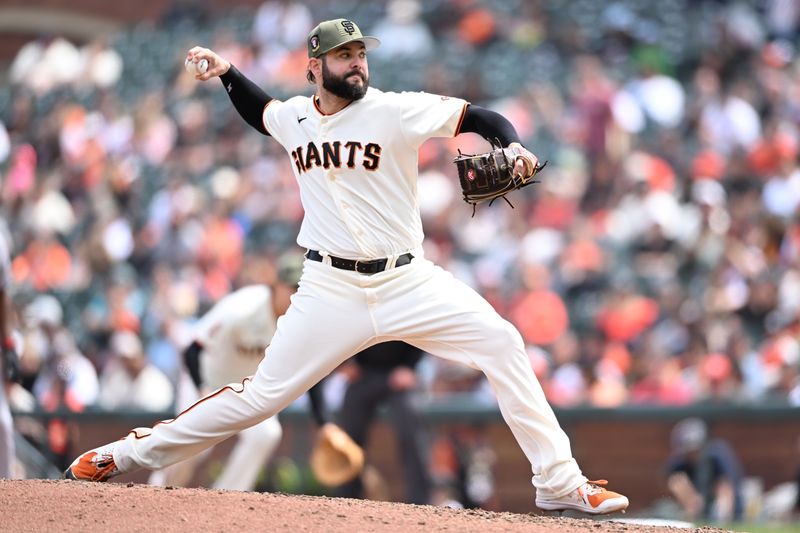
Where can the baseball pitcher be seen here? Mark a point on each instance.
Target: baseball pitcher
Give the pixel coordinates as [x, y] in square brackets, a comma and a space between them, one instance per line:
[353, 149]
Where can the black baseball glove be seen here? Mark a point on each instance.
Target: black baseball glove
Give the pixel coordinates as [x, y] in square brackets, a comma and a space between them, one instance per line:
[489, 176]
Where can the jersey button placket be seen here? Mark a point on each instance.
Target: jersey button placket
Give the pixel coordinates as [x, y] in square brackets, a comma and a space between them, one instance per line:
[323, 134]
[344, 205]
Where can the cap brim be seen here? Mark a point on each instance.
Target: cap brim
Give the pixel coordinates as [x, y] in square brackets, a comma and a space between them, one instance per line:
[370, 43]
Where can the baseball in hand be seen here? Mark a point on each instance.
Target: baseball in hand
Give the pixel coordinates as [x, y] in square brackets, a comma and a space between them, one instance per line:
[193, 68]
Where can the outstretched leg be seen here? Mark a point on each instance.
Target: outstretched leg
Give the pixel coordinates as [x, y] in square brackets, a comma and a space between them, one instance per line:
[443, 316]
[327, 322]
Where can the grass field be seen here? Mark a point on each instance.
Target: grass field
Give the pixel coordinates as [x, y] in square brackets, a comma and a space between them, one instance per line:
[763, 528]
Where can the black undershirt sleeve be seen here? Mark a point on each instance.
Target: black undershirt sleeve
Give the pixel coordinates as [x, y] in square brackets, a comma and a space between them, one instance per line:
[247, 97]
[489, 125]
[191, 359]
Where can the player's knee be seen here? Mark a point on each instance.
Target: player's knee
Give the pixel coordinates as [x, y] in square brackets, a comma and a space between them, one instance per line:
[503, 335]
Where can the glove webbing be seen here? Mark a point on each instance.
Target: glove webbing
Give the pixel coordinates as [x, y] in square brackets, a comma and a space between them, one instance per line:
[516, 181]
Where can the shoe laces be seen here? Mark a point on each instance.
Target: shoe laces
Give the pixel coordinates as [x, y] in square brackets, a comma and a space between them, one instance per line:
[105, 466]
[595, 487]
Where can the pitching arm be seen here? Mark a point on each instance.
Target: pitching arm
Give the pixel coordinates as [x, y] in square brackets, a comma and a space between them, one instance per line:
[247, 97]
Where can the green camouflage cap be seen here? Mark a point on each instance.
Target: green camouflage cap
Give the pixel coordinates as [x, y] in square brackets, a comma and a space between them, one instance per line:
[331, 34]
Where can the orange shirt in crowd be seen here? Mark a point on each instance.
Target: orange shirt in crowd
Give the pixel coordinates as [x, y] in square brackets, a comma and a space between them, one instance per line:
[43, 265]
[541, 317]
[626, 319]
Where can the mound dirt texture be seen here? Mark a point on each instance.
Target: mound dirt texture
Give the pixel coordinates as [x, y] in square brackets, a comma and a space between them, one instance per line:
[46, 505]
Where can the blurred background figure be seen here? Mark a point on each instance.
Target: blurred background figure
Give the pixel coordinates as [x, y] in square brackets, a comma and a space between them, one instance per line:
[384, 375]
[704, 475]
[9, 362]
[129, 381]
[402, 33]
[462, 459]
[279, 29]
[462, 467]
[62, 378]
[282, 24]
[227, 345]
[781, 503]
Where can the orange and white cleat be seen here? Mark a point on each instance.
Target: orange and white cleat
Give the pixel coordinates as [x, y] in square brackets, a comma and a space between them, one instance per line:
[94, 465]
[591, 497]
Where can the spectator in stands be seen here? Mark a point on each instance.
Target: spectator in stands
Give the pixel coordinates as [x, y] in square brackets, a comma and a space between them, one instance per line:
[716, 380]
[704, 476]
[64, 377]
[61, 377]
[780, 358]
[401, 31]
[129, 381]
[291, 20]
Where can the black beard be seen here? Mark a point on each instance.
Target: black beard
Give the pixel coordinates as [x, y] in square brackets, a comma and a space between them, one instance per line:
[340, 87]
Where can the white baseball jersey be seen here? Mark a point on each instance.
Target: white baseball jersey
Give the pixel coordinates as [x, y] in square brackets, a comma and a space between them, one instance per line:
[234, 334]
[357, 168]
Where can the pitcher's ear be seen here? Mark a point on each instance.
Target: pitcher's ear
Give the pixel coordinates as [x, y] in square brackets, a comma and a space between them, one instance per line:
[313, 70]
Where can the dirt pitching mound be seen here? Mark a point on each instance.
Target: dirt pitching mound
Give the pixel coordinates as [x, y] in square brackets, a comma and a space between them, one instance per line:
[46, 505]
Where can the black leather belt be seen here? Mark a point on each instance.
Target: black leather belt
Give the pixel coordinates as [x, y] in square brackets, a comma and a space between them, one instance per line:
[364, 267]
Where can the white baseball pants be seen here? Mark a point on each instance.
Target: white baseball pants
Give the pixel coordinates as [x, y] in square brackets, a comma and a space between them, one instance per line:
[336, 313]
[254, 447]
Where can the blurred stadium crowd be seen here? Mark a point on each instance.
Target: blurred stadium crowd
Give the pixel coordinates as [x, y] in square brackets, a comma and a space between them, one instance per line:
[657, 263]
